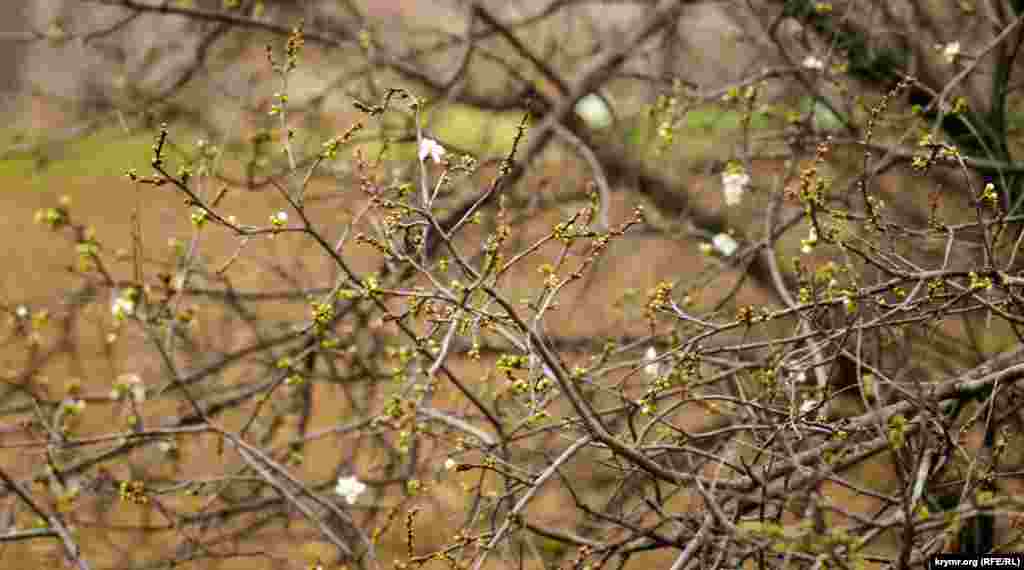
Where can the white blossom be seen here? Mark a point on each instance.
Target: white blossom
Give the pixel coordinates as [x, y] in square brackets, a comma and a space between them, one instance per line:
[950, 51]
[21, 311]
[123, 304]
[808, 406]
[430, 147]
[734, 183]
[594, 111]
[122, 307]
[725, 244]
[450, 464]
[807, 245]
[651, 368]
[350, 488]
[813, 63]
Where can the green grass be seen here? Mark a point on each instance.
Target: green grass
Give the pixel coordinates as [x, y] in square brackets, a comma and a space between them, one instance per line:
[109, 152]
[104, 153]
[715, 118]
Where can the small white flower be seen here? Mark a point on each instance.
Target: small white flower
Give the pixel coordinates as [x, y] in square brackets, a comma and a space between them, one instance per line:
[813, 63]
[450, 464]
[123, 304]
[122, 307]
[431, 148]
[279, 219]
[734, 183]
[808, 406]
[651, 368]
[725, 244]
[350, 488]
[21, 311]
[807, 245]
[950, 51]
[594, 111]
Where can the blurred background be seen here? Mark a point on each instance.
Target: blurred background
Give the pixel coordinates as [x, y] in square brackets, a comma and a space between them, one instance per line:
[87, 83]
